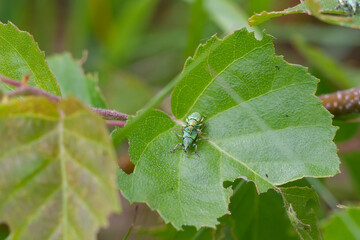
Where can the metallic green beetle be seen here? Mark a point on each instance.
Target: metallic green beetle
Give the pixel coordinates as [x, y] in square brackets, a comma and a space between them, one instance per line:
[194, 121]
[191, 132]
[349, 6]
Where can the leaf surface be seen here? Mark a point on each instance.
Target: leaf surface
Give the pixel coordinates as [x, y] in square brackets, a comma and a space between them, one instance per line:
[57, 178]
[20, 55]
[263, 122]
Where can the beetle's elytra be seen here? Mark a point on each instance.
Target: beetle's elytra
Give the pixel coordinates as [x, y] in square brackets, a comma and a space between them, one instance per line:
[191, 132]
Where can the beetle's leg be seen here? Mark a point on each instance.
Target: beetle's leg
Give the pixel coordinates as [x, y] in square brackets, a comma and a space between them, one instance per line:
[200, 130]
[179, 135]
[175, 148]
[194, 145]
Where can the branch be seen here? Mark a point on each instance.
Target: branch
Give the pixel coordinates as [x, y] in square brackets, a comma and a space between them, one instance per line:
[23, 89]
[342, 102]
[110, 114]
[115, 123]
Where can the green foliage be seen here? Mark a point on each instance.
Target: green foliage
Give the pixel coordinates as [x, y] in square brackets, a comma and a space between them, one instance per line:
[120, 33]
[57, 178]
[332, 71]
[253, 216]
[264, 124]
[4, 231]
[92, 87]
[127, 94]
[73, 81]
[324, 10]
[343, 224]
[196, 26]
[168, 232]
[260, 127]
[20, 55]
[301, 205]
[351, 161]
[264, 16]
[334, 76]
[228, 16]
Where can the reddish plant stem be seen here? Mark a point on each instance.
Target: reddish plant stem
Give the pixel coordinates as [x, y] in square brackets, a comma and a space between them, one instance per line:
[10, 81]
[110, 114]
[338, 103]
[23, 89]
[342, 102]
[115, 123]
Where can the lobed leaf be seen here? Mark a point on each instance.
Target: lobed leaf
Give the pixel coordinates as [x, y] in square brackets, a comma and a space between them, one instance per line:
[57, 178]
[20, 55]
[263, 122]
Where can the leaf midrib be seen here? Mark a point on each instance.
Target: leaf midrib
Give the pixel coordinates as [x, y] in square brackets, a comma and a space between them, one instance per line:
[63, 175]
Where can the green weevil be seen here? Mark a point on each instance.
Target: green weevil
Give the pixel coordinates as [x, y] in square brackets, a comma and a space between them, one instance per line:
[194, 121]
[349, 6]
[191, 132]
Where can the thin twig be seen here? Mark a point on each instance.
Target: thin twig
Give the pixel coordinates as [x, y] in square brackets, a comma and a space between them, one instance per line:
[115, 123]
[110, 114]
[132, 223]
[23, 89]
[10, 81]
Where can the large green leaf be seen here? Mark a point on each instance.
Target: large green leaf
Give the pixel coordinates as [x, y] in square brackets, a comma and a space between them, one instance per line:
[73, 81]
[57, 170]
[263, 121]
[324, 10]
[20, 55]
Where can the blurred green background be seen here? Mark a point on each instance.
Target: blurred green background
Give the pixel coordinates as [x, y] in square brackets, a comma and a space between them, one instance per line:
[137, 47]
